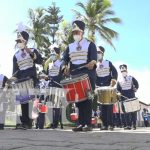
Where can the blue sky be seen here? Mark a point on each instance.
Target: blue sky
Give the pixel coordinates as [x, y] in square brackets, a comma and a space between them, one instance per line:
[132, 47]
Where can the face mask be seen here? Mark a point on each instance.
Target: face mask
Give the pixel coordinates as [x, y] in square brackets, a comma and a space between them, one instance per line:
[99, 56]
[77, 38]
[124, 74]
[21, 45]
[53, 57]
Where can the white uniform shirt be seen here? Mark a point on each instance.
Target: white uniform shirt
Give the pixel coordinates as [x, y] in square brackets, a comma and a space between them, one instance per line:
[79, 56]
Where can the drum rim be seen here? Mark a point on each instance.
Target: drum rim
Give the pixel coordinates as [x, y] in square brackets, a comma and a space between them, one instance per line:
[22, 80]
[131, 99]
[105, 88]
[75, 79]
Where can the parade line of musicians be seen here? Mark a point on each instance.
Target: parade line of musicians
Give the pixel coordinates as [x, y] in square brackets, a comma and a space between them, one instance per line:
[82, 60]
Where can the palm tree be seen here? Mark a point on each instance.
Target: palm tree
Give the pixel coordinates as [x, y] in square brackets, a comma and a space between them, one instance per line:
[97, 14]
[53, 19]
[64, 34]
[39, 29]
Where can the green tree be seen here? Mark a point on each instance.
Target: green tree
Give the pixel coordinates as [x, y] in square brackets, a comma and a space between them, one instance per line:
[96, 15]
[64, 35]
[39, 29]
[52, 18]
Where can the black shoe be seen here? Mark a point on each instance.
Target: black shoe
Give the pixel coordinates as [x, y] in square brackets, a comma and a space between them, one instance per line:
[1, 126]
[87, 128]
[79, 128]
[104, 128]
[111, 128]
[21, 127]
[61, 126]
[127, 128]
[134, 127]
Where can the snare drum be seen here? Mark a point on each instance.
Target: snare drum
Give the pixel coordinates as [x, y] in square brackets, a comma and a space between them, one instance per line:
[106, 95]
[74, 116]
[23, 89]
[78, 88]
[93, 121]
[117, 108]
[42, 108]
[131, 105]
[55, 96]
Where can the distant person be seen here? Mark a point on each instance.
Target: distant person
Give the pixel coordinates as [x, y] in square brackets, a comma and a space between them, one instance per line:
[106, 76]
[145, 116]
[127, 86]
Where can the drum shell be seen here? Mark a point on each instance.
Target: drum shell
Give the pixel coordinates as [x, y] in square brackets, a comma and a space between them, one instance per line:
[117, 107]
[42, 108]
[106, 95]
[55, 96]
[24, 90]
[93, 121]
[131, 105]
[77, 89]
[74, 116]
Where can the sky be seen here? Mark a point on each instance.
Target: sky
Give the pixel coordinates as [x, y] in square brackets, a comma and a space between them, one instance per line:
[132, 46]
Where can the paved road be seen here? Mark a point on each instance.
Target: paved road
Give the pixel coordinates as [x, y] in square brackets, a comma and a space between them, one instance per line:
[67, 140]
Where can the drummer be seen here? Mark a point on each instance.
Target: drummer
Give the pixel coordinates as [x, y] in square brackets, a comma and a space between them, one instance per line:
[3, 100]
[24, 61]
[106, 76]
[55, 75]
[81, 53]
[127, 86]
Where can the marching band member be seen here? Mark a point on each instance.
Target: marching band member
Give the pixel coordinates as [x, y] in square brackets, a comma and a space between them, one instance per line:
[3, 80]
[24, 61]
[55, 76]
[106, 76]
[81, 53]
[127, 86]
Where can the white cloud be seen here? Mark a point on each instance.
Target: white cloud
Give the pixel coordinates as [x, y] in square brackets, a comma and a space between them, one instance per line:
[143, 77]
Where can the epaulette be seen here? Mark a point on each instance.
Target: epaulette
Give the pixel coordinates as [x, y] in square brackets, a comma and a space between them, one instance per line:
[17, 52]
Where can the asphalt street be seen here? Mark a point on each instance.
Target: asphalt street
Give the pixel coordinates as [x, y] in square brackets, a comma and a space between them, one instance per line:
[65, 139]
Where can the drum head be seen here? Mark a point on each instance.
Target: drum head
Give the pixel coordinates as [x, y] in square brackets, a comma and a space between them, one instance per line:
[74, 78]
[105, 88]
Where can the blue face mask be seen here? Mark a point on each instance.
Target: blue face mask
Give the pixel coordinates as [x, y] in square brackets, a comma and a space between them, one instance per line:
[53, 57]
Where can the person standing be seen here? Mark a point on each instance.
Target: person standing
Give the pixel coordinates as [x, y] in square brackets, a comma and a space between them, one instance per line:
[127, 86]
[55, 75]
[106, 76]
[24, 61]
[81, 53]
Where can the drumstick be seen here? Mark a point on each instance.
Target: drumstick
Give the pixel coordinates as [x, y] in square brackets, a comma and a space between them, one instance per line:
[9, 80]
[79, 68]
[57, 83]
[15, 73]
[122, 96]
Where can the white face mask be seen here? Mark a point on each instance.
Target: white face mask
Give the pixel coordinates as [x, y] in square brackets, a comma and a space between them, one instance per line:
[77, 38]
[21, 45]
[99, 56]
[124, 74]
[53, 57]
